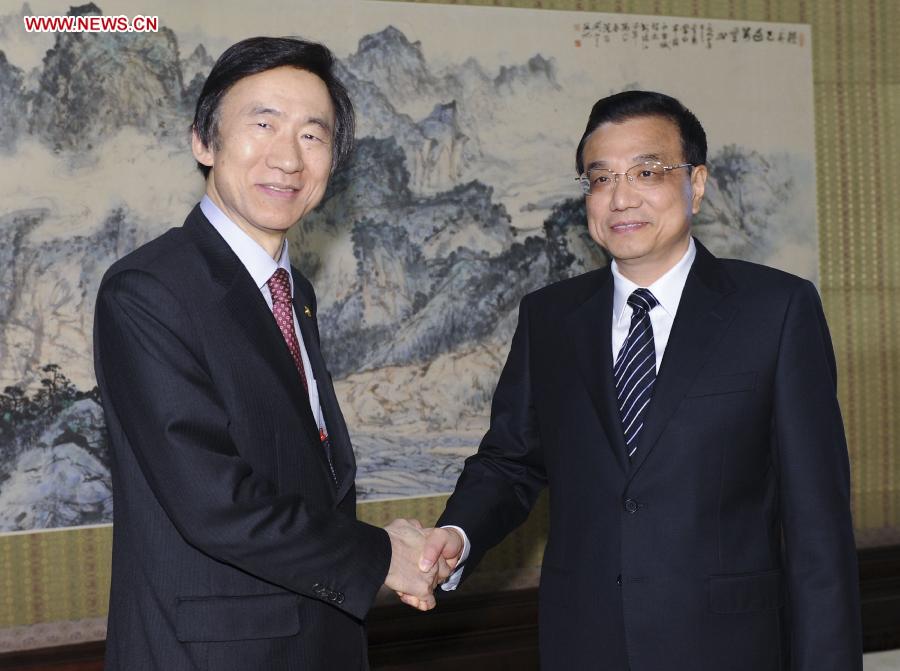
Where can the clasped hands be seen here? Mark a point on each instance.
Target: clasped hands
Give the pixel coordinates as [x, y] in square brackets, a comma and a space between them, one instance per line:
[421, 559]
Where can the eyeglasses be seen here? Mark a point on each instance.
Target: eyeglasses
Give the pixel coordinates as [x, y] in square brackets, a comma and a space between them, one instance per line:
[645, 175]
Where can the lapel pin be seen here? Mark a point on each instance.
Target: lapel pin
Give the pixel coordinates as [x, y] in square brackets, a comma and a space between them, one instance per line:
[307, 311]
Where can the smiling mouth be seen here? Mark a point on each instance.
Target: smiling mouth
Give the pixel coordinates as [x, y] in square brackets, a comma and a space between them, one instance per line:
[280, 192]
[625, 226]
[280, 188]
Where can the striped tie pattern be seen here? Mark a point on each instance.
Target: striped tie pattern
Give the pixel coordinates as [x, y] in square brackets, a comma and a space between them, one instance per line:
[635, 368]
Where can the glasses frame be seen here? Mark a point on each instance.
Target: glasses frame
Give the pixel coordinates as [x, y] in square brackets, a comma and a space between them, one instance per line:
[585, 181]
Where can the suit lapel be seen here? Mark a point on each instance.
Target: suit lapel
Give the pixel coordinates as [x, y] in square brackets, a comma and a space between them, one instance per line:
[591, 329]
[341, 450]
[243, 301]
[701, 321]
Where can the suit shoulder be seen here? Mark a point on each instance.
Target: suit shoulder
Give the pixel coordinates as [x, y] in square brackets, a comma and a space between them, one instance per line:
[755, 277]
[570, 291]
[161, 257]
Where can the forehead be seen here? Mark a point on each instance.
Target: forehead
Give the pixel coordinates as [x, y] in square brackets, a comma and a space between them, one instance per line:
[285, 90]
[637, 138]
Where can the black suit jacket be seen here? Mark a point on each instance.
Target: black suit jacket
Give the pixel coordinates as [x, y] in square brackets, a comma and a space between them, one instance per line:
[234, 545]
[727, 543]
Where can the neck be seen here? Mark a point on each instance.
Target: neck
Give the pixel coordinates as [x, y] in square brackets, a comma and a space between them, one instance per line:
[641, 276]
[270, 240]
[645, 271]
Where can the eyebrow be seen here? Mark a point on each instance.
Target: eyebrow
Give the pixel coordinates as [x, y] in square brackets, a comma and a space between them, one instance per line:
[263, 110]
[640, 158]
[320, 122]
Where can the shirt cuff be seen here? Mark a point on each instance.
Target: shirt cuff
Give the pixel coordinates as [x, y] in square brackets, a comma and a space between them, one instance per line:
[453, 581]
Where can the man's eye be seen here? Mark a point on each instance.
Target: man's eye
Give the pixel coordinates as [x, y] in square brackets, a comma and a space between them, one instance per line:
[601, 179]
[263, 124]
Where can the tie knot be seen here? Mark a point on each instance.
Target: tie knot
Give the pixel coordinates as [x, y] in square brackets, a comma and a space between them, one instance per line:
[642, 299]
[280, 286]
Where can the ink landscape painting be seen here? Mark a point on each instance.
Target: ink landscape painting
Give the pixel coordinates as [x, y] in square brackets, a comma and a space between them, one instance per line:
[460, 199]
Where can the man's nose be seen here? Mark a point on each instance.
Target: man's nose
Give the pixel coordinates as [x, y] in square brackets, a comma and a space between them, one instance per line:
[624, 195]
[286, 156]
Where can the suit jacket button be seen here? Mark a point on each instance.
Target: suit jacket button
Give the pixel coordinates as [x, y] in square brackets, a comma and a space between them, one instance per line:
[339, 598]
[631, 505]
[619, 580]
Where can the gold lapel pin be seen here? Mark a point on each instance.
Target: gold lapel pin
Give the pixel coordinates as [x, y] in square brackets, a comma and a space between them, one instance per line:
[307, 311]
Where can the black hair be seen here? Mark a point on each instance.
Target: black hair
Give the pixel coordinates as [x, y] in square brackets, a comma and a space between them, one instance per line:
[632, 104]
[259, 54]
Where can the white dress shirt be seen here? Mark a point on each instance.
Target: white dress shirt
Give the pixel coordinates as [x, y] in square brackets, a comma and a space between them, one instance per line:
[261, 267]
[667, 290]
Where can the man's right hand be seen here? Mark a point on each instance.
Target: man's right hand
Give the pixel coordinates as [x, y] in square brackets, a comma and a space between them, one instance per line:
[414, 586]
[440, 556]
[443, 549]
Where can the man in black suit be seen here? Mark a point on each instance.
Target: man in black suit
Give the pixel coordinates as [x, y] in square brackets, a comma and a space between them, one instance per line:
[236, 543]
[682, 410]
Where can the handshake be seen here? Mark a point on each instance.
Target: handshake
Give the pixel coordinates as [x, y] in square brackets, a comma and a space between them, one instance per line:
[421, 559]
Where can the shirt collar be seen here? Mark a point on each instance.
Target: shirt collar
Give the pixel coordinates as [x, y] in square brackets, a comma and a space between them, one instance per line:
[254, 258]
[667, 289]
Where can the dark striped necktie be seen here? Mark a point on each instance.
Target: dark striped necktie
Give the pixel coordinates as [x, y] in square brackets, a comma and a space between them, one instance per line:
[635, 368]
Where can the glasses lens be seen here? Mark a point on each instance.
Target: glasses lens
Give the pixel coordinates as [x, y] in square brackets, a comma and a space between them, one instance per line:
[642, 176]
[600, 179]
[646, 175]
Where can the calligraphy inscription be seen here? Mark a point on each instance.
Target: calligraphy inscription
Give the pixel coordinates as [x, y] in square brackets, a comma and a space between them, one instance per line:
[671, 35]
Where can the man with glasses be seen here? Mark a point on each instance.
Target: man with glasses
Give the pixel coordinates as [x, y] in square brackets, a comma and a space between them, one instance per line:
[682, 411]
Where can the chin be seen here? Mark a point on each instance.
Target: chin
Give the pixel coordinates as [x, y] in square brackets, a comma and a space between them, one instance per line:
[283, 227]
[628, 251]
[282, 222]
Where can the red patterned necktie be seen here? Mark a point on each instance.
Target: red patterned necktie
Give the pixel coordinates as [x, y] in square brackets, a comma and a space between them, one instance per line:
[280, 287]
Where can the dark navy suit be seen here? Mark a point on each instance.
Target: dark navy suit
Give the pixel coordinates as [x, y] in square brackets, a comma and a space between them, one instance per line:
[234, 546]
[727, 544]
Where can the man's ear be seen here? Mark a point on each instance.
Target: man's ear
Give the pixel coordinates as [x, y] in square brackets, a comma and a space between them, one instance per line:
[202, 153]
[698, 186]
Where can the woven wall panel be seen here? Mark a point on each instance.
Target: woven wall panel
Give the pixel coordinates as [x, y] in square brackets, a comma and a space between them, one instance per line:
[64, 575]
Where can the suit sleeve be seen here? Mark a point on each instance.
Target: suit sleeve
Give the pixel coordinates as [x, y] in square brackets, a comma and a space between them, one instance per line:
[501, 482]
[161, 397]
[822, 576]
